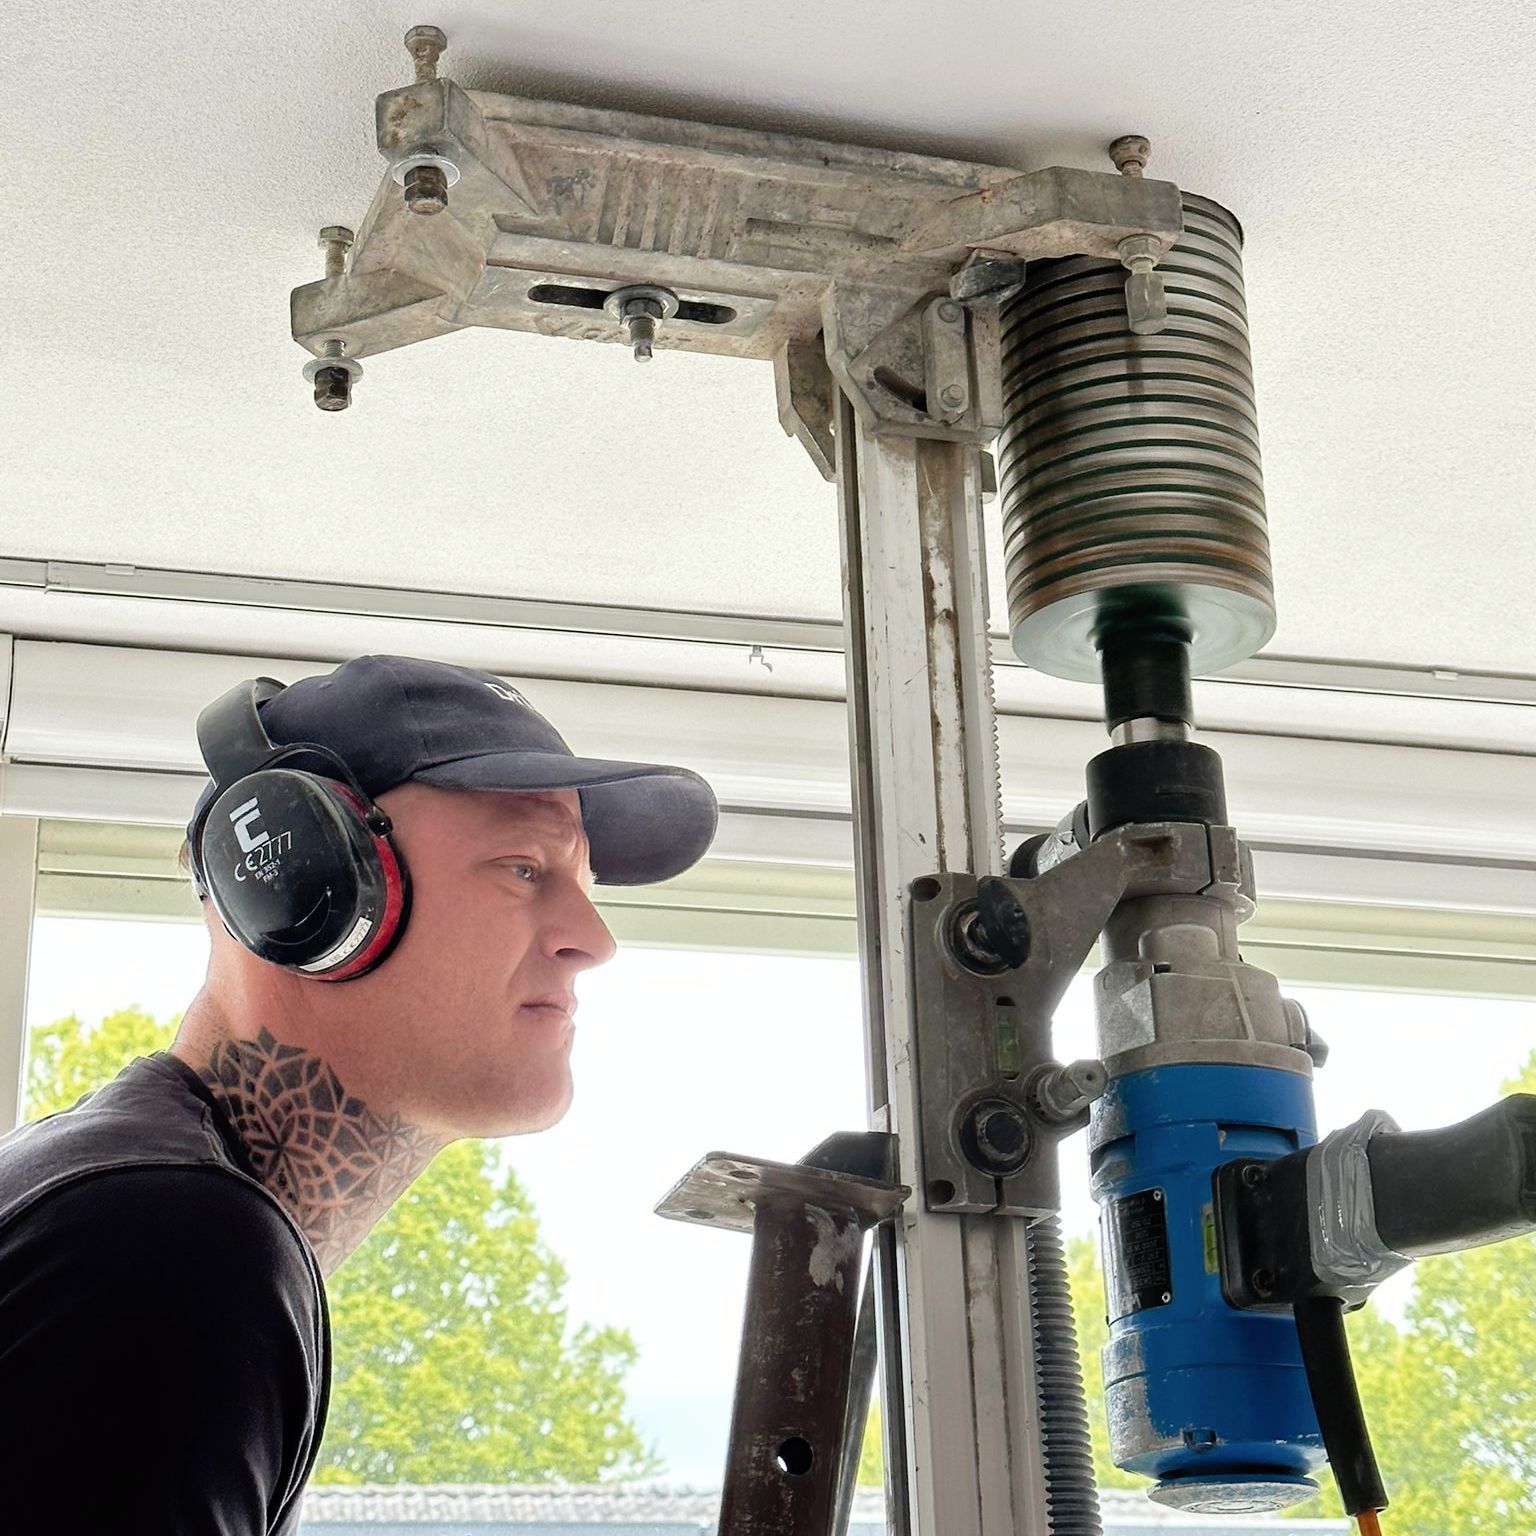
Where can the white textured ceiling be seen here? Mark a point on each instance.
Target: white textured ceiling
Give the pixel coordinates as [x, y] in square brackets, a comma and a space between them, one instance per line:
[170, 165]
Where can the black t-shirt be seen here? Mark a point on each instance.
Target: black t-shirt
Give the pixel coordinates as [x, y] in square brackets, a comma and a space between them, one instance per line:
[164, 1348]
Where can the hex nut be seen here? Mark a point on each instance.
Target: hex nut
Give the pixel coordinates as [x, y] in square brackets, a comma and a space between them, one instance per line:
[426, 189]
[333, 374]
[333, 389]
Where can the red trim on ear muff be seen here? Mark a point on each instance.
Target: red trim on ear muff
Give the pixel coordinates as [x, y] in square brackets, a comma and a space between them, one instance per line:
[394, 898]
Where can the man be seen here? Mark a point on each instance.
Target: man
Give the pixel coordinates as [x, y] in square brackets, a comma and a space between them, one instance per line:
[164, 1344]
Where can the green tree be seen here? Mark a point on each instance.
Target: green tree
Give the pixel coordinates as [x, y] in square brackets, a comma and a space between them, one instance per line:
[67, 1059]
[454, 1360]
[872, 1452]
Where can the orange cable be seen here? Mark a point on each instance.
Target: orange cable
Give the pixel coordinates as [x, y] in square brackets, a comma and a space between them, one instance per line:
[1369, 1524]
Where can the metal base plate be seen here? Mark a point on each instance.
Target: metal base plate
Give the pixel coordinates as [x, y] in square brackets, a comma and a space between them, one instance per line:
[1233, 1495]
[724, 1190]
[1225, 626]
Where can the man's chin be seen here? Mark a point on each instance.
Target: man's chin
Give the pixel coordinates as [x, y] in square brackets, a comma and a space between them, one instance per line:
[525, 1118]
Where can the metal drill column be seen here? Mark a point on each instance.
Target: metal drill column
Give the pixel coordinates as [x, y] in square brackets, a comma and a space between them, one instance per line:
[964, 1457]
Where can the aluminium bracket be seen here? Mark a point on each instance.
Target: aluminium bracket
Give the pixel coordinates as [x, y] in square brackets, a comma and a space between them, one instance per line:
[991, 1092]
[835, 261]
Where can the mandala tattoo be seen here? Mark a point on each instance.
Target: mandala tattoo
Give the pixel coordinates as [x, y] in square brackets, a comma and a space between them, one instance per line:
[329, 1158]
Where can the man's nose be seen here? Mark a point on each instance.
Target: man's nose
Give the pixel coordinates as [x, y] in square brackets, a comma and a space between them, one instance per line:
[579, 933]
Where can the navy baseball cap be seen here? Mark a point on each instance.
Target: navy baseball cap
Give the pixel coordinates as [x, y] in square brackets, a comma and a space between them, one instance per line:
[393, 718]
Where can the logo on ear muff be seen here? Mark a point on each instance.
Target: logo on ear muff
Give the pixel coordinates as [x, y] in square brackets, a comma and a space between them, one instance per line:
[242, 816]
[262, 852]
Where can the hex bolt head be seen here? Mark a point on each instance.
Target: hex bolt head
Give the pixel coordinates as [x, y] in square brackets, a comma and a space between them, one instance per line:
[333, 389]
[950, 312]
[426, 189]
[333, 374]
[1130, 152]
[1146, 303]
[952, 396]
[425, 46]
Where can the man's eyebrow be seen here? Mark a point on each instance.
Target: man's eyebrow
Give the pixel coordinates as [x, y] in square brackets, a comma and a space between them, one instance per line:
[551, 820]
[544, 819]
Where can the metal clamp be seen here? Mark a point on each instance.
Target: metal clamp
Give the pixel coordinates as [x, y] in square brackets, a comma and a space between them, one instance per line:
[992, 959]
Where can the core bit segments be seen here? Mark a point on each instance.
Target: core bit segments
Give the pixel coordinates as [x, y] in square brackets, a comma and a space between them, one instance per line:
[1129, 464]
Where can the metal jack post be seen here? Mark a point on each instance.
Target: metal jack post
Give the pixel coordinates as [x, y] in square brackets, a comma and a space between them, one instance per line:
[807, 1362]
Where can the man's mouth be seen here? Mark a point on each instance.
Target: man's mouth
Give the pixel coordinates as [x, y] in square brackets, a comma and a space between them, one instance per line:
[561, 1003]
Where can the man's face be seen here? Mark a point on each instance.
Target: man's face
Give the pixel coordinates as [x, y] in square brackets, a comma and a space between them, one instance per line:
[466, 1027]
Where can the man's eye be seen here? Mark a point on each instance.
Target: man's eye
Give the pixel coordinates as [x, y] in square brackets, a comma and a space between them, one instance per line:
[525, 869]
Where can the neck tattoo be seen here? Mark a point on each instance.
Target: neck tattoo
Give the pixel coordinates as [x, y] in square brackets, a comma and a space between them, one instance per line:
[331, 1160]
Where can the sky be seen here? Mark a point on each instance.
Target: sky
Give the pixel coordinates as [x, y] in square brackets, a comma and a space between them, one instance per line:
[679, 1053]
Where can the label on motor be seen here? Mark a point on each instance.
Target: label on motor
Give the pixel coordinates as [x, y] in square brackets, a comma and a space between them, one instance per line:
[1137, 1264]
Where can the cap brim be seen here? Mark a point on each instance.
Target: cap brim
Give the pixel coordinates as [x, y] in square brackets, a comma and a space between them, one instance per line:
[644, 821]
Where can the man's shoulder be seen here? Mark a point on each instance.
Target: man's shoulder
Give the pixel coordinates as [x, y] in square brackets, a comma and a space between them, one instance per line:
[171, 1318]
[197, 1222]
[150, 1115]
[142, 1164]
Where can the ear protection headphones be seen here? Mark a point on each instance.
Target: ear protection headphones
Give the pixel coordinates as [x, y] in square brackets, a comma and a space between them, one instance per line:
[299, 864]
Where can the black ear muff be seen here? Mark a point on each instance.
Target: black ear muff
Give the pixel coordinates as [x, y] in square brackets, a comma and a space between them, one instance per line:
[302, 871]
[299, 864]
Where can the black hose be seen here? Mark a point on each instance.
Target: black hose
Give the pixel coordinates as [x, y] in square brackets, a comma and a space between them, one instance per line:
[1331, 1379]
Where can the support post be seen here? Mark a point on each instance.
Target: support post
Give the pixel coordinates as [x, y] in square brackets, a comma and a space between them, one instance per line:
[18, 895]
[963, 1450]
[786, 1466]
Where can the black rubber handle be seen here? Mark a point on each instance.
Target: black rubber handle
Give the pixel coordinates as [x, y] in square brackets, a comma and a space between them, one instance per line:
[1458, 1187]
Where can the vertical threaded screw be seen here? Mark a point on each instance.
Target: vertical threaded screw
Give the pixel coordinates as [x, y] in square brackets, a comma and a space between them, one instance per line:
[425, 46]
[336, 240]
